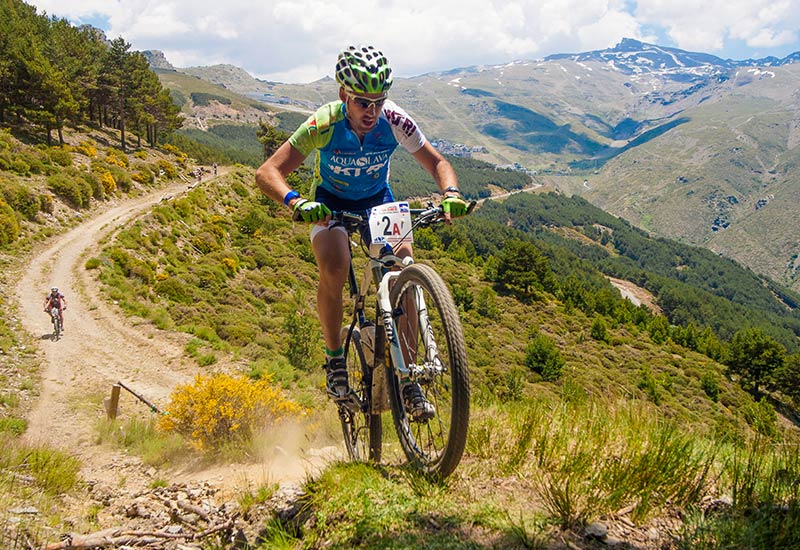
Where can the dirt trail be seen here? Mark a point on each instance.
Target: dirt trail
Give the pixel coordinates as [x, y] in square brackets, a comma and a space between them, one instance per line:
[100, 347]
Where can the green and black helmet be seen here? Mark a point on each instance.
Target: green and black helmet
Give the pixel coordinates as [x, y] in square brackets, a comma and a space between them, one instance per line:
[363, 70]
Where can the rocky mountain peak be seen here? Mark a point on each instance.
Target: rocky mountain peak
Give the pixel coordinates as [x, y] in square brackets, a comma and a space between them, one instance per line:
[632, 56]
[157, 60]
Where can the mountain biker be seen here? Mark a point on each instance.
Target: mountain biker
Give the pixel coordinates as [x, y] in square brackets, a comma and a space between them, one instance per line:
[55, 299]
[354, 138]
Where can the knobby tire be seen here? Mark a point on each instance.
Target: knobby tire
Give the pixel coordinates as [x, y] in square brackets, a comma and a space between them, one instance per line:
[363, 431]
[436, 446]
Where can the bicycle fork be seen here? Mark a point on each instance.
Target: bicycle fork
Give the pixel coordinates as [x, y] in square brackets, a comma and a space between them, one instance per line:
[432, 365]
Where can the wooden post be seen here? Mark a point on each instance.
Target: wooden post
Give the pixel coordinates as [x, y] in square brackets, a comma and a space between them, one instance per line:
[113, 404]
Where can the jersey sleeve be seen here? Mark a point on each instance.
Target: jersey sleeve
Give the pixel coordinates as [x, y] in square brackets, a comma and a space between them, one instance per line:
[405, 130]
[317, 130]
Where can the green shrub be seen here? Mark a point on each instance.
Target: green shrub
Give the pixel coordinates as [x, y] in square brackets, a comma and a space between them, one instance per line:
[253, 219]
[19, 166]
[46, 203]
[14, 426]
[237, 331]
[486, 304]
[122, 178]
[649, 384]
[92, 263]
[710, 385]
[140, 270]
[658, 327]
[9, 227]
[75, 190]
[542, 356]
[60, 156]
[259, 255]
[37, 166]
[174, 290]
[240, 189]
[144, 175]
[599, 329]
[54, 471]
[94, 182]
[20, 198]
[300, 337]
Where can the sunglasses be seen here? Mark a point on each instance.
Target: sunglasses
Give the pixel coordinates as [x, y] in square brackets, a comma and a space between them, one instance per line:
[365, 102]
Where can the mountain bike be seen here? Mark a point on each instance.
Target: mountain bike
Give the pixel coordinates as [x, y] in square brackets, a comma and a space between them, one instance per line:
[415, 335]
[55, 317]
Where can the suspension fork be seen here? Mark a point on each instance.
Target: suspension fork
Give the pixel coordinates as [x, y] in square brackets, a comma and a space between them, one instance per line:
[425, 328]
[432, 362]
[385, 279]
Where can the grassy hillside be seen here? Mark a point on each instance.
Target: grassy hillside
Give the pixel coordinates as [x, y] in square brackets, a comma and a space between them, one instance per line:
[229, 267]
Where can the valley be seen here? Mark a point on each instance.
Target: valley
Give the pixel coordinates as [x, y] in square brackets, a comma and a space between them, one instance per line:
[683, 144]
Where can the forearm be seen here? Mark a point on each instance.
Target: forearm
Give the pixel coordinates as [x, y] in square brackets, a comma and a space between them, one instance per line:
[444, 176]
[271, 176]
[272, 182]
[437, 166]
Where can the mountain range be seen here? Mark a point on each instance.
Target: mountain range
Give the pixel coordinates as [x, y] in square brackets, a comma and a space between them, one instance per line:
[685, 145]
[635, 57]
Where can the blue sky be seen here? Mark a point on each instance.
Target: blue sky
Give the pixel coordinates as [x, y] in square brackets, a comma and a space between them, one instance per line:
[298, 40]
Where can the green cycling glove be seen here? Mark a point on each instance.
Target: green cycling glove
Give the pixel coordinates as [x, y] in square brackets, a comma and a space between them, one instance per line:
[454, 206]
[310, 211]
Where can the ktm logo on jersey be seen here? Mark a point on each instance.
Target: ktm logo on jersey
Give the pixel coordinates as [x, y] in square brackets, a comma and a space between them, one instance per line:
[404, 123]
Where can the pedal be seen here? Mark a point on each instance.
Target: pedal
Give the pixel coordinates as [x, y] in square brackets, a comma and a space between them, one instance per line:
[351, 402]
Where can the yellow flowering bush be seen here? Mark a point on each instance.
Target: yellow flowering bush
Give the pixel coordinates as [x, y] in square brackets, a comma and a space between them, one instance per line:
[108, 182]
[167, 168]
[220, 410]
[120, 160]
[143, 176]
[88, 148]
[140, 155]
[230, 264]
[169, 148]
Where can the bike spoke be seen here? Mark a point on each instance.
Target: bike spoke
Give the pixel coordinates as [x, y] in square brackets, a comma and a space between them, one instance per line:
[427, 326]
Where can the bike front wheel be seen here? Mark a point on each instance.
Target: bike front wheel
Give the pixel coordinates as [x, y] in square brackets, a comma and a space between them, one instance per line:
[361, 427]
[56, 326]
[430, 337]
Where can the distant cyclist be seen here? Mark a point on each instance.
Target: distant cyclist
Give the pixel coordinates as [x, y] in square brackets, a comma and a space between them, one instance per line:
[354, 139]
[56, 299]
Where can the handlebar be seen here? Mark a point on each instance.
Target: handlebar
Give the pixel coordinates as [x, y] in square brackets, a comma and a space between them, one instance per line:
[420, 217]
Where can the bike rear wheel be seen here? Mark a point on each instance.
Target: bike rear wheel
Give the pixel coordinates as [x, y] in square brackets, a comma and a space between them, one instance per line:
[432, 342]
[362, 429]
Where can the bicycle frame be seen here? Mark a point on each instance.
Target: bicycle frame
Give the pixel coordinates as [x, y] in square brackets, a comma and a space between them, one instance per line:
[414, 359]
[376, 272]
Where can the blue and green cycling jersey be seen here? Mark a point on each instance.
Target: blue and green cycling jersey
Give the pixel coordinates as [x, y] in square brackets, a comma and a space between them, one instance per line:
[346, 167]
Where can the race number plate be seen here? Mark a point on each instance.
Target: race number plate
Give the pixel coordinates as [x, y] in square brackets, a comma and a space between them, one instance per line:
[390, 223]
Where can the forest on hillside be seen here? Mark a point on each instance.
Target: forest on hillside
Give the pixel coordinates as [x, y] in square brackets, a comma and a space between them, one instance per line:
[53, 75]
[692, 284]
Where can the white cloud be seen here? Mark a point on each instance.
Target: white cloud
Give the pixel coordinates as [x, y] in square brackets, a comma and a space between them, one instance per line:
[298, 40]
[710, 25]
